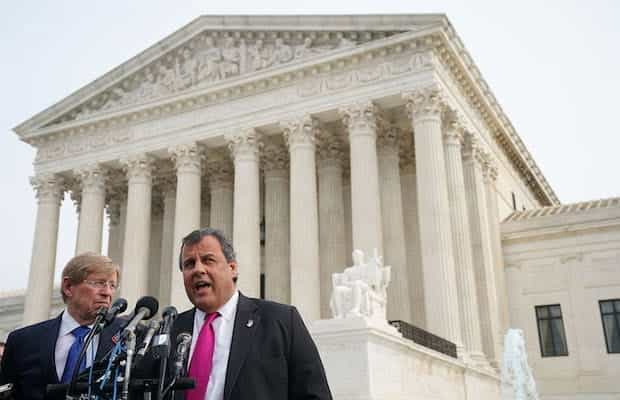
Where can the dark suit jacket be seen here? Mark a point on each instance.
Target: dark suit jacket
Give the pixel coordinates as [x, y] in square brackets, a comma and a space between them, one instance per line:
[272, 359]
[29, 362]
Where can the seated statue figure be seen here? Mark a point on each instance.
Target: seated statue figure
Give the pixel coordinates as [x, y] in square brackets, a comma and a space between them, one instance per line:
[361, 290]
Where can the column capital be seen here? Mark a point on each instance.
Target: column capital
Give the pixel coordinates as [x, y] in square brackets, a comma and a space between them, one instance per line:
[274, 157]
[302, 131]
[113, 209]
[453, 128]
[49, 188]
[489, 168]
[138, 167]
[388, 137]
[359, 117]
[187, 157]
[473, 149]
[330, 148]
[167, 183]
[244, 145]
[219, 170]
[91, 178]
[427, 102]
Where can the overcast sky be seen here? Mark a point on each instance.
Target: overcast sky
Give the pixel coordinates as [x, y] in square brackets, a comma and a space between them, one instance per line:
[553, 65]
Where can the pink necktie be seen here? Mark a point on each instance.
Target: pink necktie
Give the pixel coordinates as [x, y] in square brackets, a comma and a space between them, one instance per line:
[202, 360]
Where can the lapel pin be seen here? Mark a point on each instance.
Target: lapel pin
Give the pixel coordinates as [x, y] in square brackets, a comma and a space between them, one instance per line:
[250, 323]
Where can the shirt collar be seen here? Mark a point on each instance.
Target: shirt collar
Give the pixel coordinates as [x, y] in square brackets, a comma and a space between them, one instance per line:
[227, 311]
[68, 323]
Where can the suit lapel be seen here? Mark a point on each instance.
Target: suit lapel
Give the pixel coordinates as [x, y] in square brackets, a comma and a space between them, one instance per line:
[105, 339]
[48, 348]
[243, 334]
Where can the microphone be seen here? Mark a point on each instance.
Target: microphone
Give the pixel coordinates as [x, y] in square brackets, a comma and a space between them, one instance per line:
[184, 340]
[146, 342]
[118, 307]
[161, 343]
[146, 307]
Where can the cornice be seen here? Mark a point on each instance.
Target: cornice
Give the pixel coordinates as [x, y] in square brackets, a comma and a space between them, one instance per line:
[452, 53]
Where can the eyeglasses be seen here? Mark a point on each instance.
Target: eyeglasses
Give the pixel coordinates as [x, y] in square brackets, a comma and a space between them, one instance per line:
[103, 284]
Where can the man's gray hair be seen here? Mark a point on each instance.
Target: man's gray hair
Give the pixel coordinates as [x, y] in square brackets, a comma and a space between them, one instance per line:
[196, 236]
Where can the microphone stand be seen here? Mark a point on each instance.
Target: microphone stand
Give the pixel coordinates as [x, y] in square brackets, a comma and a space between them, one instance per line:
[97, 327]
[130, 342]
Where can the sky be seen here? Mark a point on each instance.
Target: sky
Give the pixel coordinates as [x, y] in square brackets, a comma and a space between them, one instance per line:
[553, 66]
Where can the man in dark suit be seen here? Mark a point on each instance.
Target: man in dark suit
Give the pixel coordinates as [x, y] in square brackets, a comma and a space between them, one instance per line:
[45, 353]
[242, 348]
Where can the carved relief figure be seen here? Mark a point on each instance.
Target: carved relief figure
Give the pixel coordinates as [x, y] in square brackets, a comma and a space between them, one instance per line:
[281, 53]
[186, 68]
[165, 79]
[304, 49]
[258, 56]
[231, 58]
[209, 62]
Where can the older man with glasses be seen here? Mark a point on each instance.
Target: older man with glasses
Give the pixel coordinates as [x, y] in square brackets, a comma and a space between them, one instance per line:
[47, 352]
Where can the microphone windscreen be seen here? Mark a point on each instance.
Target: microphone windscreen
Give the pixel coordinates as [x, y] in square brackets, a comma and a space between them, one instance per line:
[150, 303]
[120, 304]
[169, 311]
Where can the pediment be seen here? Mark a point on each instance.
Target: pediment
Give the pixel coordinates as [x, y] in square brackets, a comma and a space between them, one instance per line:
[211, 50]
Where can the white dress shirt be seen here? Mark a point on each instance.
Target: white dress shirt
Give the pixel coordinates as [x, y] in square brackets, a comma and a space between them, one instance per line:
[223, 328]
[65, 341]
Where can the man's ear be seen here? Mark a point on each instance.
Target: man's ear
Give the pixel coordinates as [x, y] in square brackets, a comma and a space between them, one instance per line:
[233, 267]
[66, 286]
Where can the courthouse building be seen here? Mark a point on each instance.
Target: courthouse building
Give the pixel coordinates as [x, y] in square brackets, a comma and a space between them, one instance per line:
[305, 137]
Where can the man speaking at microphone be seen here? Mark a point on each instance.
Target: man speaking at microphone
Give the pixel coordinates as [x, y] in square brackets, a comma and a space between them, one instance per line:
[241, 348]
[47, 352]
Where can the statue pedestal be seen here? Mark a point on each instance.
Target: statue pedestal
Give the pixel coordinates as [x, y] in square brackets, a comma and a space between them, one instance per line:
[367, 359]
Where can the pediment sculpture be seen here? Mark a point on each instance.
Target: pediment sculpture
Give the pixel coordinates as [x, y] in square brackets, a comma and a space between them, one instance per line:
[208, 58]
[361, 290]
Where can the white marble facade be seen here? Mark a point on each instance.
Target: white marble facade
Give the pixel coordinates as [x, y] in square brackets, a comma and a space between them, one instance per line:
[302, 138]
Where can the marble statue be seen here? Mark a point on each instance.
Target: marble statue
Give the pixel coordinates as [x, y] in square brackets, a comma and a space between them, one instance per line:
[361, 290]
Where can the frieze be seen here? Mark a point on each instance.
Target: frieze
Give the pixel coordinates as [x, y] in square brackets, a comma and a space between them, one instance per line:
[79, 143]
[211, 57]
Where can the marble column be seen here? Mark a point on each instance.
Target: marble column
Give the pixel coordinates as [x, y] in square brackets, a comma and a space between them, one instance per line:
[442, 313]
[49, 193]
[277, 222]
[346, 198]
[113, 210]
[473, 161]
[220, 175]
[92, 182]
[412, 233]
[169, 263]
[187, 159]
[398, 306]
[244, 148]
[490, 178]
[461, 239]
[332, 238]
[205, 204]
[359, 120]
[300, 135]
[122, 228]
[138, 228]
[155, 249]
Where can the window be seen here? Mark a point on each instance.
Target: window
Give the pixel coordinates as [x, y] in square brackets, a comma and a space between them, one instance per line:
[610, 314]
[551, 331]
